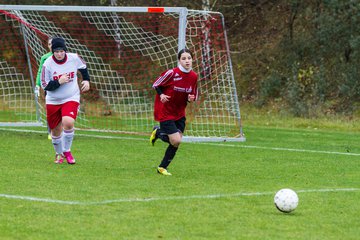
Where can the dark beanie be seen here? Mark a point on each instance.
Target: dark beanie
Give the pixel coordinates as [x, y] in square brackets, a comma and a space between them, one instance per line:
[58, 43]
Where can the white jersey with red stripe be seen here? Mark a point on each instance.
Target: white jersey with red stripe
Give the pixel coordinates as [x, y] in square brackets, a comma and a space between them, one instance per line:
[52, 71]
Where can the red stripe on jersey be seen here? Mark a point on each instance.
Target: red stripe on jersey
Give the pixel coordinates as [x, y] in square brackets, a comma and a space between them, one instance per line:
[82, 60]
[43, 82]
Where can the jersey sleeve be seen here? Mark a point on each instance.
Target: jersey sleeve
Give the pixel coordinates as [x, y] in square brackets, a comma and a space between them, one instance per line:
[81, 66]
[163, 79]
[45, 76]
[80, 63]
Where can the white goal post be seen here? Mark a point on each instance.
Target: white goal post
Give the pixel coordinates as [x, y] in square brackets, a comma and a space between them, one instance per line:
[125, 48]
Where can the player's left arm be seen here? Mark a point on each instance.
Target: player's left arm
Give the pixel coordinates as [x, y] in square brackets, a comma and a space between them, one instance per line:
[85, 84]
[86, 80]
[193, 96]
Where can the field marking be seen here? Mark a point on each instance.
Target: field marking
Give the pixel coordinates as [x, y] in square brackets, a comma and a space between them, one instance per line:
[77, 134]
[152, 199]
[205, 143]
[284, 149]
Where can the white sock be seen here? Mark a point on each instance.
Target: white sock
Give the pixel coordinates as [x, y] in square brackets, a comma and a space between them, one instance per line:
[57, 143]
[68, 136]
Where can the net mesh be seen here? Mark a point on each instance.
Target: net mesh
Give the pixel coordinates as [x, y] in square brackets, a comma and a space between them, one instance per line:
[125, 52]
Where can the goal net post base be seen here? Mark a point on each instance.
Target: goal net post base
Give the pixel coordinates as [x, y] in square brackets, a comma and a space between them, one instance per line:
[213, 139]
[21, 124]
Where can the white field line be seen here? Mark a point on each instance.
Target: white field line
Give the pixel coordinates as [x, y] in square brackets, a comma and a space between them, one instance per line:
[205, 143]
[284, 149]
[153, 199]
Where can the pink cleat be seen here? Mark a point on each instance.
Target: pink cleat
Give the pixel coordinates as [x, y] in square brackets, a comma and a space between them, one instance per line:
[59, 158]
[69, 158]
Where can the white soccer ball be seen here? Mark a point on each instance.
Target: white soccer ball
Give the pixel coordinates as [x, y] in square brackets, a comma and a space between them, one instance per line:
[286, 200]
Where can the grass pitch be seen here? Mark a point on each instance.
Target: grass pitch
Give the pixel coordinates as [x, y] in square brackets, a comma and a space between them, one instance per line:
[217, 191]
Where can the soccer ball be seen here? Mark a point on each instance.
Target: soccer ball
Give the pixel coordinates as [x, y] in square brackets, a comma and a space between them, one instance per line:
[286, 200]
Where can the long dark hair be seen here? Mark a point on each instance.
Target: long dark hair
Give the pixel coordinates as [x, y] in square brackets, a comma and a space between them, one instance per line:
[184, 50]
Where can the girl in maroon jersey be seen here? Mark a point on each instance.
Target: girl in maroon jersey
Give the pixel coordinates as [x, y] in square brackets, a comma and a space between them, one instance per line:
[175, 88]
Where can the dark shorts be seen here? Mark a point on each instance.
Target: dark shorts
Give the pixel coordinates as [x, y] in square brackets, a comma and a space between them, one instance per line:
[170, 126]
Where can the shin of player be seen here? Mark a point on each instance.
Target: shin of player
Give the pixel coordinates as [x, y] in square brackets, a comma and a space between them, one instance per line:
[175, 88]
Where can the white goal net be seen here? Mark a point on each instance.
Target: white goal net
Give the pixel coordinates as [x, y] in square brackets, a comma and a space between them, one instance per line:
[125, 49]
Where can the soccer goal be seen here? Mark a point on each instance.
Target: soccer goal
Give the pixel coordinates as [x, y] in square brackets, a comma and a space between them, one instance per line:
[125, 48]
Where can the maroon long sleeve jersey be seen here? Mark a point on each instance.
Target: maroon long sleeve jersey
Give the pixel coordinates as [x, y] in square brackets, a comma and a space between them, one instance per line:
[178, 85]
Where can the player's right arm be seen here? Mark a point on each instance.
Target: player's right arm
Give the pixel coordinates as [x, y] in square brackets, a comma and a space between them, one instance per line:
[194, 95]
[163, 79]
[160, 82]
[47, 81]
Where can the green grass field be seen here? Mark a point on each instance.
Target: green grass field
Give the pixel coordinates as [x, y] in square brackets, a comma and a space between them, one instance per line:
[217, 191]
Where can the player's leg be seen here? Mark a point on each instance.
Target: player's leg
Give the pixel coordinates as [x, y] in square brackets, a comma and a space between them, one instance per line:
[53, 115]
[68, 136]
[175, 132]
[154, 135]
[49, 132]
[170, 152]
[69, 113]
[56, 138]
[48, 128]
[163, 132]
[158, 133]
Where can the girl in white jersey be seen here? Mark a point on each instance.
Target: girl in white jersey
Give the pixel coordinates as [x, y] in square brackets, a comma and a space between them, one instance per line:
[59, 79]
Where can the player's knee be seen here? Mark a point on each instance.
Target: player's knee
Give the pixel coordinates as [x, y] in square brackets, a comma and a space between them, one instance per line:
[68, 123]
[175, 142]
[68, 126]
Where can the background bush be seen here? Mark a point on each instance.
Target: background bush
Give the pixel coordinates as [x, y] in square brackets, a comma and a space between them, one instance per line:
[301, 55]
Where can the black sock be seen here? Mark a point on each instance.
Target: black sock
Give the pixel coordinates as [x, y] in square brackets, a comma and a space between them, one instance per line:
[169, 156]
